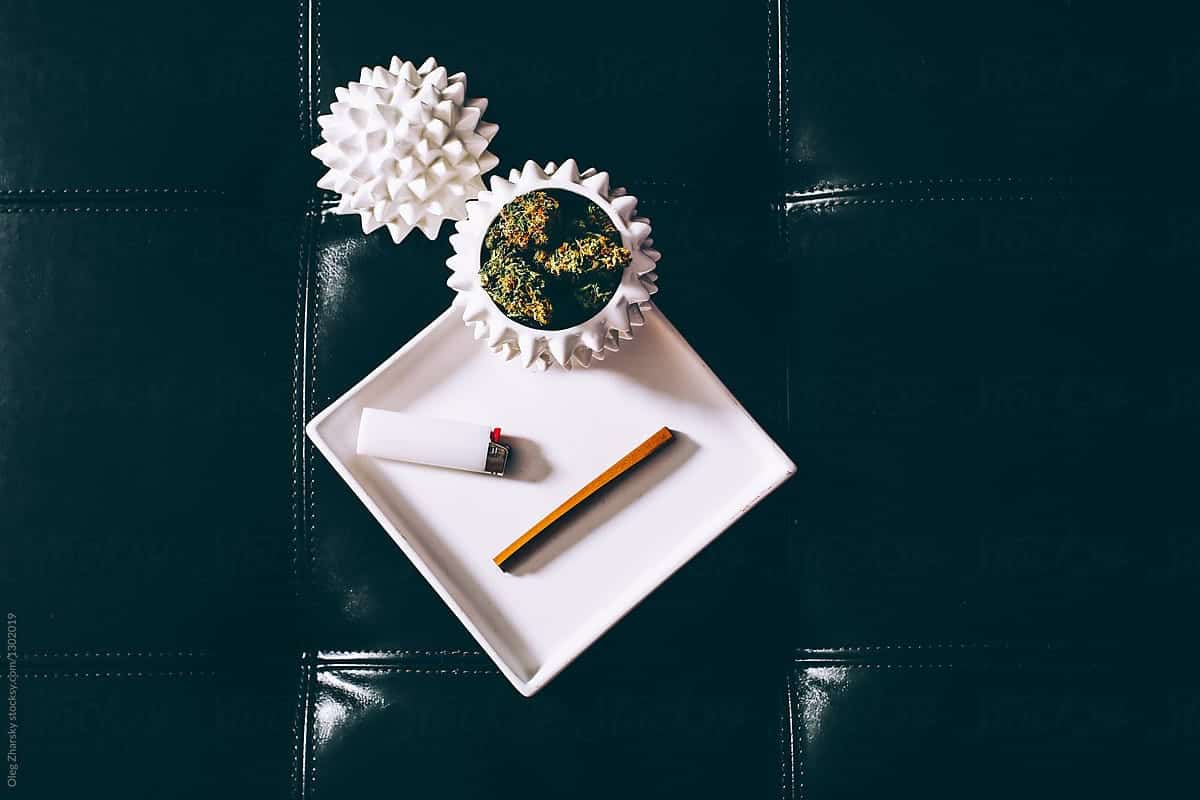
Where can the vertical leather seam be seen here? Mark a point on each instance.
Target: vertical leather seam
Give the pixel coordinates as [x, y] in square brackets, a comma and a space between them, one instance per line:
[310, 460]
[793, 763]
[299, 410]
[785, 50]
[799, 742]
[316, 66]
[784, 744]
[315, 227]
[776, 127]
[302, 742]
[778, 88]
[772, 113]
[310, 737]
[311, 336]
[301, 102]
[785, 243]
[299, 723]
[306, 122]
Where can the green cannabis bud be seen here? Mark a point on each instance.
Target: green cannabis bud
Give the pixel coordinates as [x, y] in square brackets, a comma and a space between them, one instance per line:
[591, 252]
[518, 290]
[552, 261]
[524, 223]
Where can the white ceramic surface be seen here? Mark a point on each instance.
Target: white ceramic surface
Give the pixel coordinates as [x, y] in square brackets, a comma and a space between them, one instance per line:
[610, 554]
[578, 345]
[405, 148]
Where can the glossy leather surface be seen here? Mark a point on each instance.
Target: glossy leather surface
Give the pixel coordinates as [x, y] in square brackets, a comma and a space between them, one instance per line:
[140, 98]
[972, 230]
[991, 722]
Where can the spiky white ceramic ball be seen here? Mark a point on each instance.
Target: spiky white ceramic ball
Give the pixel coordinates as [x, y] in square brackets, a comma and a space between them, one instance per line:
[405, 148]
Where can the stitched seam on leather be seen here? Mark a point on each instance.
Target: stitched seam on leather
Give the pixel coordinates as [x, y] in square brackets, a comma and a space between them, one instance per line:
[680, 185]
[316, 97]
[852, 665]
[310, 491]
[116, 190]
[301, 103]
[114, 654]
[862, 648]
[1019, 666]
[778, 128]
[913, 200]
[785, 782]
[787, 750]
[310, 788]
[166, 674]
[309, 486]
[297, 431]
[297, 722]
[798, 748]
[910, 182]
[784, 234]
[302, 742]
[308, 745]
[1032, 655]
[771, 103]
[785, 50]
[97, 209]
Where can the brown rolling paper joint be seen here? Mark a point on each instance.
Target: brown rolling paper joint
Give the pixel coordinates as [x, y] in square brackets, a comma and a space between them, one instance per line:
[628, 462]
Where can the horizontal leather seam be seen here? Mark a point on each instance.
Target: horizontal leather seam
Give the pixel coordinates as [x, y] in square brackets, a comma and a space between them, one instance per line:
[998, 656]
[164, 674]
[114, 654]
[122, 190]
[964, 189]
[1046, 646]
[14, 209]
[907, 183]
[1015, 666]
[908, 201]
[884, 665]
[864, 648]
[415, 670]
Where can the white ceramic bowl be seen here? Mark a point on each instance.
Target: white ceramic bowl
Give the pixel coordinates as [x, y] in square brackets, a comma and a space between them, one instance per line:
[567, 347]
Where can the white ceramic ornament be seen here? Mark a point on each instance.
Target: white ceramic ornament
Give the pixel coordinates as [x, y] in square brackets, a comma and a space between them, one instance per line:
[405, 147]
[577, 345]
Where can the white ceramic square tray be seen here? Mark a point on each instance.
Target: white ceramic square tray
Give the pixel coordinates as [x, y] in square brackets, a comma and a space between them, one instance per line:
[565, 429]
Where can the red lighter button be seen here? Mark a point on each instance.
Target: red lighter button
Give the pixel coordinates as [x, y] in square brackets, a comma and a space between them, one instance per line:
[496, 435]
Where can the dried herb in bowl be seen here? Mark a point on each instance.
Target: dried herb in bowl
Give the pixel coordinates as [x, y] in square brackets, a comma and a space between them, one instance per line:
[552, 259]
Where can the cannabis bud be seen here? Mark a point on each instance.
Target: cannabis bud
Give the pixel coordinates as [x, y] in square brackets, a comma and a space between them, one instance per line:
[552, 261]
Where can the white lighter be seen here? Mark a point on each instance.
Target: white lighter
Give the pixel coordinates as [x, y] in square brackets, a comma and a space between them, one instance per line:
[437, 442]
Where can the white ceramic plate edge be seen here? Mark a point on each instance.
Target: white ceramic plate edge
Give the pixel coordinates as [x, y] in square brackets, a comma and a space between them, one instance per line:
[780, 468]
